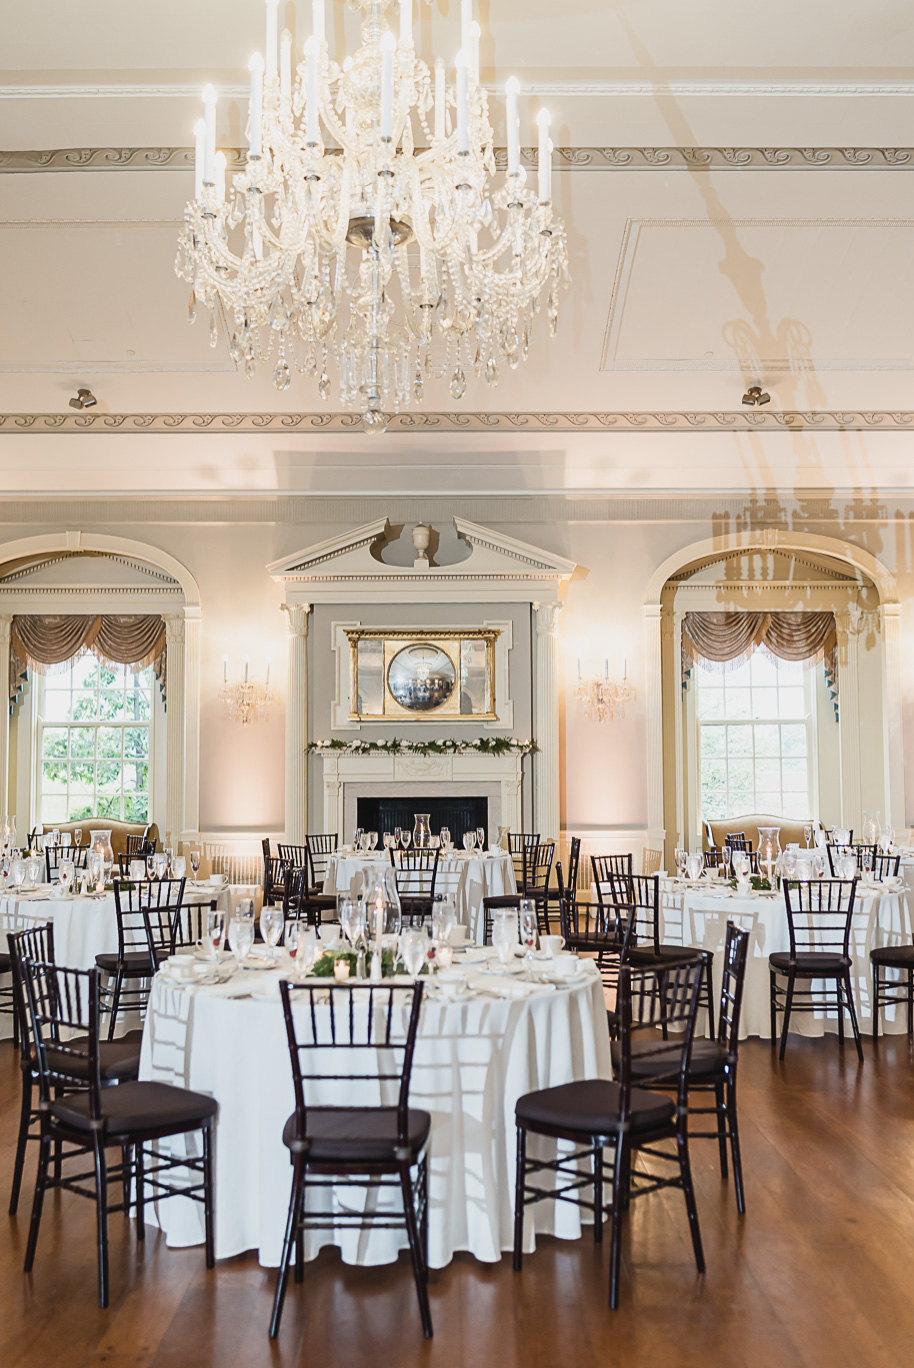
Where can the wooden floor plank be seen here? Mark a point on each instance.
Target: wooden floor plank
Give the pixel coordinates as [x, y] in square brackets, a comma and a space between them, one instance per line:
[817, 1272]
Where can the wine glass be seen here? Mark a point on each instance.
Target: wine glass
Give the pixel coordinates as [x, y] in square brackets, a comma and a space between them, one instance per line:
[214, 933]
[78, 837]
[406, 837]
[241, 937]
[445, 836]
[93, 866]
[682, 859]
[413, 950]
[819, 865]
[373, 839]
[388, 840]
[807, 833]
[725, 854]
[195, 862]
[34, 865]
[481, 837]
[469, 840]
[398, 832]
[357, 838]
[528, 927]
[150, 867]
[18, 872]
[271, 928]
[66, 874]
[789, 860]
[161, 865]
[348, 914]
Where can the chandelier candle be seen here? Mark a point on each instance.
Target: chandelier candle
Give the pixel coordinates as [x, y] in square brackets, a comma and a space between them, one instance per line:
[370, 242]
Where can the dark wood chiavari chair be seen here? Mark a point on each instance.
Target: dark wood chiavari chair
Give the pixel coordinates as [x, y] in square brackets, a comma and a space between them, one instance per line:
[146, 916]
[416, 873]
[321, 847]
[596, 1115]
[865, 855]
[119, 1060]
[713, 1064]
[900, 958]
[76, 1111]
[819, 917]
[138, 847]
[374, 1147]
[54, 854]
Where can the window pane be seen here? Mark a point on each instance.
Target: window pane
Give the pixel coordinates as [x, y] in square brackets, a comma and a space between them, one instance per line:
[763, 670]
[764, 702]
[739, 741]
[85, 707]
[54, 808]
[56, 707]
[713, 741]
[54, 743]
[795, 776]
[137, 707]
[85, 672]
[109, 805]
[109, 775]
[110, 706]
[791, 703]
[711, 703]
[741, 774]
[82, 742]
[82, 777]
[793, 739]
[766, 741]
[54, 777]
[739, 703]
[767, 775]
[136, 807]
[109, 742]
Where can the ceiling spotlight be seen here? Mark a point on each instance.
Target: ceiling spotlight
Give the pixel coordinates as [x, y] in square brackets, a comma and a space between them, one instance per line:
[755, 396]
[84, 399]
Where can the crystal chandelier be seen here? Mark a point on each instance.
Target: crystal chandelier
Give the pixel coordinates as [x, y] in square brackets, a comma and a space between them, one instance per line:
[369, 236]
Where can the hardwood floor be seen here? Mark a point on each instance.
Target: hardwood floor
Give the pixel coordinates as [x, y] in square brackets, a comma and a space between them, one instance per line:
[818, 1272]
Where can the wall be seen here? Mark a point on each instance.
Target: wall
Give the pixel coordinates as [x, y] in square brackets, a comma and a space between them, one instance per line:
[617, 543]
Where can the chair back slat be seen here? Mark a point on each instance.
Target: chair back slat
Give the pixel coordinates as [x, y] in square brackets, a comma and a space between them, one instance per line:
[320, 846]
[54, 854]
[147, 914]
[664, 1026]
[383, 1018]
[736, 949]
[63, 1002]
[35, 943]
[819, 915]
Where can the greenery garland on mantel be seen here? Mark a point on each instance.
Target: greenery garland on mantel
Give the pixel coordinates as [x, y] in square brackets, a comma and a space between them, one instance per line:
[482, 745]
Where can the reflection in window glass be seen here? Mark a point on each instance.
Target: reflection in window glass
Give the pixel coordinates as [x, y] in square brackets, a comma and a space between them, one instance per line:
[94, 743]
[753, 739]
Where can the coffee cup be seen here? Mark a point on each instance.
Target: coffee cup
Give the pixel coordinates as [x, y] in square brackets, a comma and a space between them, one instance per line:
[566, 965]
[553, 945]
[451, 982]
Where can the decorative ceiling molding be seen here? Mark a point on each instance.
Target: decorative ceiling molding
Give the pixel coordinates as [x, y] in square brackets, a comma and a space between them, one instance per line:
[733, 421]
[715, 89]
[566, 158]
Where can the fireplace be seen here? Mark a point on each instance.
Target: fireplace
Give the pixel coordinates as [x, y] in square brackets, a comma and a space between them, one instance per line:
[456, 813]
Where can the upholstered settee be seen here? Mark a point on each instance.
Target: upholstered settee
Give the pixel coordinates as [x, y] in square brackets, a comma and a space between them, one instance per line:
[790, 829]
[119, 831]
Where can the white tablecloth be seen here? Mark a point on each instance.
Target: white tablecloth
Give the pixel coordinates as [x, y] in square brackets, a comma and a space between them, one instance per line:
[87, 926]
[700, 918]
[467, 877]
[473, 1060]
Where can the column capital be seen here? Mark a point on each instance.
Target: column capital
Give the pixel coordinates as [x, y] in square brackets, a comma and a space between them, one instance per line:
[174, 628]
[298, 617]
[6, 622]
[547, 618]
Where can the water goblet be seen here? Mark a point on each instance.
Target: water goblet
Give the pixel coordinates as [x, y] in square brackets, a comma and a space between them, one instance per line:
[469, 840]
[807, 833]
[372, 839]
[725, 854]
[150, 867]
[348, 915]
[195, 862]
[444, 836]
[357, 838]
[179, 866]
[94, 866]
[819, 865]
[398, 832]
[17, 869]
[681, 857]
[34, 866]
[481, 837]
[413, 950]
[406, 837]
[504, 938]
[161, 865]
[271, 928]
[78, 837]
[528, 927]
[241, 937]
[388, 840]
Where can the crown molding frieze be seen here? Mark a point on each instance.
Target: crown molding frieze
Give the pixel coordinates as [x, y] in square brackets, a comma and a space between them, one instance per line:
[196, 424]
[729, 510]
[566, 159]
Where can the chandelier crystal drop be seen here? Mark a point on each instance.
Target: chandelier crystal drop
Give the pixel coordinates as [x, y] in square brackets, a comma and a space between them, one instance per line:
[370, 237]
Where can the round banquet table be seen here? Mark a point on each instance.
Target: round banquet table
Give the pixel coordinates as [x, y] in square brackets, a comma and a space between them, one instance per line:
[465, 876]
[473, 1059]
[699, 916]
[87, 926]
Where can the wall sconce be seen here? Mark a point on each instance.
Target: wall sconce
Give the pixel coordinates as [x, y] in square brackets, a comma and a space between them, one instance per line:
[247, 701]
[601, 697]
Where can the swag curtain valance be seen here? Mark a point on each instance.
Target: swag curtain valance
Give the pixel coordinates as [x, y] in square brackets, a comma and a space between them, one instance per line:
[44, 643]
[728, 639]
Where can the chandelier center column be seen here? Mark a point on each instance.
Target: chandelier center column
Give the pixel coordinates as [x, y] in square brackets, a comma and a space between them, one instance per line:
[546, 721]
[297, 723]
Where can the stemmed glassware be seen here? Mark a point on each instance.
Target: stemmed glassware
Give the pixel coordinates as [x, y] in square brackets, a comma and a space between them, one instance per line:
[807, 833]
[372, 840]
[398, 832]
[504, 936]
[681, 857]
[481, 837]
[725, 854]
[413, 950]
[469, 840]
[66, 873]
[271, 928]
[195, 862]
[94, 867]
[214, 933]
[241, 936]
[528, 929]
[406, 837]
[78, 837]
[150, 867]
[161, 865]
[301, 943]
[819, 864]
[357, 839]
[179, 867]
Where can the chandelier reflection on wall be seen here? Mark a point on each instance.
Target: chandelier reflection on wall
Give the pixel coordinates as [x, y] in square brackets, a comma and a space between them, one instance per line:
[601, 697]
[369, 236]
[247, 701]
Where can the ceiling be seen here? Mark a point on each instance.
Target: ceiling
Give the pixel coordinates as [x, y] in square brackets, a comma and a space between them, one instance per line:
[695, 272]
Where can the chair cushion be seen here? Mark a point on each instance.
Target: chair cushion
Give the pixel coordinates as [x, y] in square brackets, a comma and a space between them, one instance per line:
[138, 1107]
[650, 1059]
[136, 965]
[352, 1135]
[901, 955]
[118, 1060]
[592, 1108]
[643, 956]
[502, 900]
[810, 964]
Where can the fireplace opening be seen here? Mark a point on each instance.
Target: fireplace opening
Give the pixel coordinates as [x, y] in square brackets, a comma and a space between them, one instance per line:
[457, 814]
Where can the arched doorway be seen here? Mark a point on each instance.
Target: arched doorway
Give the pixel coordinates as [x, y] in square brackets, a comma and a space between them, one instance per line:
[865, 598]
[87, 573]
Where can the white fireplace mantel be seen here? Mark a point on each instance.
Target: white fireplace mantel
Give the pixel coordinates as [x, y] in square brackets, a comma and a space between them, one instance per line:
[349, 777]
[350, 569]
